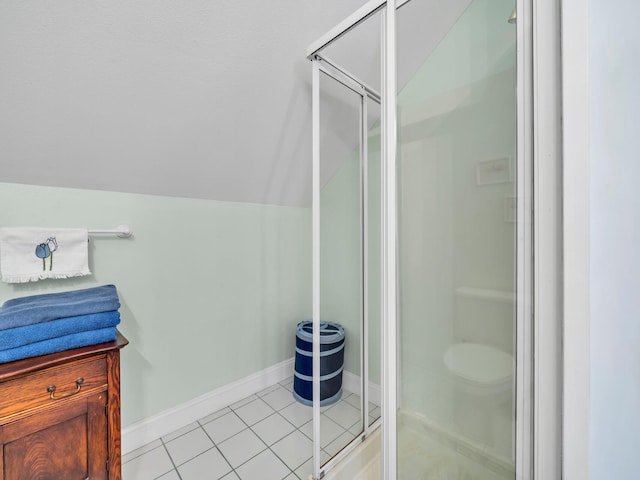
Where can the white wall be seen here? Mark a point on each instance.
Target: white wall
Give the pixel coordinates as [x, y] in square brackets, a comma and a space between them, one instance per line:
[615, 239]
[194, 99]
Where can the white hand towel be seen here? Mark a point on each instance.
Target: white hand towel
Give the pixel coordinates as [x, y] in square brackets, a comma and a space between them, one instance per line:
[29, 254]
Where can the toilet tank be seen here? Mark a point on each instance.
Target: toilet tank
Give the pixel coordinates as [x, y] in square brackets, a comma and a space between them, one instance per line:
[485, 316]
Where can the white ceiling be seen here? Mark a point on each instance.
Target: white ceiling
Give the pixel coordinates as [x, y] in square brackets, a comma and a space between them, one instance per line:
[196, 99]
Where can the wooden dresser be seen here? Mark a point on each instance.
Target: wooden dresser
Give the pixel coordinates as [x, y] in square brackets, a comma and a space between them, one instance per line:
[60, 415]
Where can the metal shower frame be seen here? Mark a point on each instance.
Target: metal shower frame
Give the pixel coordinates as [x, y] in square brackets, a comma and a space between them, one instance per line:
[388, 288]
[365, 93]
[524, 455]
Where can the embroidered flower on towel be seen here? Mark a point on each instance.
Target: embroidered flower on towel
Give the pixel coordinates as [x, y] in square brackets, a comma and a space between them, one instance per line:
[24, 252]
[45, 250]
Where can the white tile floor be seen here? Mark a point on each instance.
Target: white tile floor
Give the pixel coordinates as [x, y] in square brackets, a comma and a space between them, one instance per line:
[265, 436]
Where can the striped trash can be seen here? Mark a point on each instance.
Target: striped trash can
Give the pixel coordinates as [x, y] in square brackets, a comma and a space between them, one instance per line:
[331, 363]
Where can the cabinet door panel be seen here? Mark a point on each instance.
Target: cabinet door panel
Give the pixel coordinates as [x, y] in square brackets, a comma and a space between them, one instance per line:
[55, 452]
[67, 442]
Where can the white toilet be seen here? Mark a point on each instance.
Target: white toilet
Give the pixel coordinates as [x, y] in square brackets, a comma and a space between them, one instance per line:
[482, 378]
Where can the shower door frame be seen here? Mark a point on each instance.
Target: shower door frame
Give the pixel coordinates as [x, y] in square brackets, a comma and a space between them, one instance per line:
[388, 126]
[538, 318]
[326, 66]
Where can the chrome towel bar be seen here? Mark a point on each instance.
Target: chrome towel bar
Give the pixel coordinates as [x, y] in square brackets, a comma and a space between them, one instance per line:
[122, 231]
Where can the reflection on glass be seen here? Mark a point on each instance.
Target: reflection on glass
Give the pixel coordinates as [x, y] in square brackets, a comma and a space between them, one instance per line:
[456, 242]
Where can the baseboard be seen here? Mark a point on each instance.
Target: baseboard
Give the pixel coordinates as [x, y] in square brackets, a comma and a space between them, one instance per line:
[145, 431]
[351, 383]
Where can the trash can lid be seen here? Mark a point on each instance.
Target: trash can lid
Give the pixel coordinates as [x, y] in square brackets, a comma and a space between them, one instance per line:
[330, 332]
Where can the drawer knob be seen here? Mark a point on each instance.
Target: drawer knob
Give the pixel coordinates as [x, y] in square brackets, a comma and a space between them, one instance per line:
[52, 390]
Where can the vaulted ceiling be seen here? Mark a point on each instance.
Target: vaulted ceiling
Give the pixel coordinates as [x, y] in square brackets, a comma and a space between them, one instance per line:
[196, 99]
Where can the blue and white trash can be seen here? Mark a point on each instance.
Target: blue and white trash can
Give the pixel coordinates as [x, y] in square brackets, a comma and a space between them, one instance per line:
[331, 363]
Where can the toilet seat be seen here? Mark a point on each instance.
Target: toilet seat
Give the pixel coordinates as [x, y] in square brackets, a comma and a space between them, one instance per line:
[479, 364]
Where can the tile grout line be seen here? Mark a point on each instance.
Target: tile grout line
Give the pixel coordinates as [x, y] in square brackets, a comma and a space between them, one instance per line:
[143, 453]
[215, 445]
[248, 427]
[175, 468]
[291, 469]
[275, 412]
[296, 429]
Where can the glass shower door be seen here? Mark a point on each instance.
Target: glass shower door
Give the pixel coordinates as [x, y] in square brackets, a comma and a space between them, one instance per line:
[341, 256]
[346, 215]
[447, 235]
[346, 218]
[456, 241]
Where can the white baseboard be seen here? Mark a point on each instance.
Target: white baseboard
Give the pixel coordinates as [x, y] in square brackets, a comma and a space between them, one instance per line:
[351, 383]
[145, 431]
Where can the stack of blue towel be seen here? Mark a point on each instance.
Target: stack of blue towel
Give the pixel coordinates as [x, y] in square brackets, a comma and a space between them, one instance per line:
[53, 322]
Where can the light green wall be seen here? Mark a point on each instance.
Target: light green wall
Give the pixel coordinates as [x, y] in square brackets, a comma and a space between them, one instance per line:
[211, 291]
[340, 257]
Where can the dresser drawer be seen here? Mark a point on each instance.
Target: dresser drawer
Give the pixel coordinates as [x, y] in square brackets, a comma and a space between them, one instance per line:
[51, 385]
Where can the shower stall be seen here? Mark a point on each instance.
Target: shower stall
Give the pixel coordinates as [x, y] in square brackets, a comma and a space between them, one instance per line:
[422, 239]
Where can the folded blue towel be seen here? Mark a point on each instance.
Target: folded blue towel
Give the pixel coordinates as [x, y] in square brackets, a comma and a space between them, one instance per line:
[59, 344]
[16, 337]
[19, 312]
